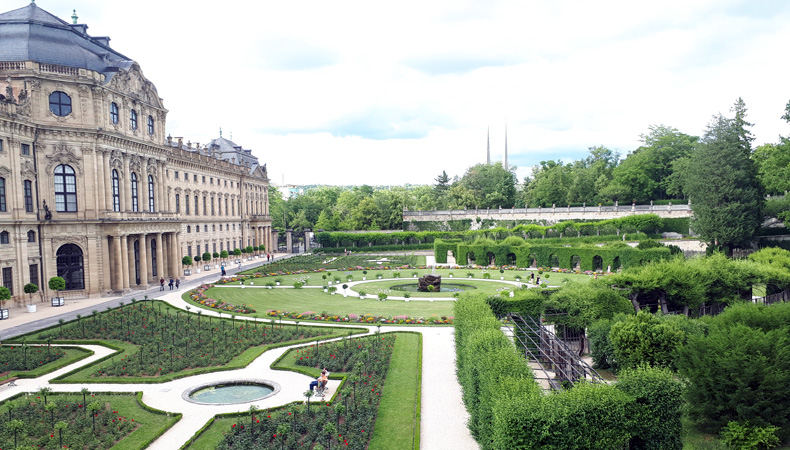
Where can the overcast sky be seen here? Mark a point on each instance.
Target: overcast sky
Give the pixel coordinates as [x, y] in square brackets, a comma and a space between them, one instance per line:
[372, 92]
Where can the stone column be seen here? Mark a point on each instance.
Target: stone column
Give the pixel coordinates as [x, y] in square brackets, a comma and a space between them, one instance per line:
[143, 261]
[125, 260]
[179, 253]
[289, 241]
[160, 260]
[163, 205]
[117, 273]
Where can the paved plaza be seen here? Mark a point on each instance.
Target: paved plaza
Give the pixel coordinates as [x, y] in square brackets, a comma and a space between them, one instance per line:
[443, 416]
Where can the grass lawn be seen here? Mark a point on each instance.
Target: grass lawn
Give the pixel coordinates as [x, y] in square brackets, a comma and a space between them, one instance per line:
[151, 423]
[300, 300]
[398, 422]
[72, 354]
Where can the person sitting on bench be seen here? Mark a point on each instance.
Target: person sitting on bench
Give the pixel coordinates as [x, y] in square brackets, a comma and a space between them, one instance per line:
[323, 379]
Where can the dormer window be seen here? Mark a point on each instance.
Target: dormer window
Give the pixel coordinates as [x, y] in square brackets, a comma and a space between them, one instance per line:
[60, 103]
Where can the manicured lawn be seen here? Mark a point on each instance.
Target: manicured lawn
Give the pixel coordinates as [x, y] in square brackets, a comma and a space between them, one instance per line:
[148, 424]
[300, 300]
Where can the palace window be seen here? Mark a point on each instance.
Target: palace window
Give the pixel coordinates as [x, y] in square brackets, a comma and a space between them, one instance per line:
[212, 206]
[151, 194]
[8, 279]
[60, 103]
[135, 205]
[197, 228]
[153, 257]
[186, 204]
[70, 266]
[133, 119]
[189, 229]
[178, 203]
[4, 237]
[116, 195]
[26, 149]
[196, 205]
[34, 274]
[2, 195]
[28, 185]
[65, 189]
[150, 125]
[205, 210]
[31, 236]
[114, 113]
[226, 206]
[176, 174]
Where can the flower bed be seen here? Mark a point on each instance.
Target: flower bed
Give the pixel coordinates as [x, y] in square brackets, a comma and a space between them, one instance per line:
[347, 424]
[198, 295]
[20, 357]
[360, 318]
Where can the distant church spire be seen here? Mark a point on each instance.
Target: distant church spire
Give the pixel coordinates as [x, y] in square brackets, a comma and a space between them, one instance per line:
[220, 131]
[488, 146]
[505, 161]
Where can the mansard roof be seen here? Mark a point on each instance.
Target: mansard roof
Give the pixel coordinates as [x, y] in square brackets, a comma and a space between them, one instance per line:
[32, 34]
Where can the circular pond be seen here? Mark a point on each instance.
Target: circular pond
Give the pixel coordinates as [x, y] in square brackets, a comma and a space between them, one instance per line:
[446, 287]
[231, 392]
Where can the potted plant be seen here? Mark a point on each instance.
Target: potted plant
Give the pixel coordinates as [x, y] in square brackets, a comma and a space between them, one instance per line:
[249, 252]
[270, 284]
[278, 280]
[501, 274]
[206, 257]
[56, 284]
[518, 278]
[197, 259]
[332, 290]
[362, 294]
[382, 296]
[364, 272]
[345, 290]
[5, 295]
[187, 261]
[31, 289]
[451, 274]
[414, 274]
[470, 274]
[237, 252]
[224, 255]
[216, 256]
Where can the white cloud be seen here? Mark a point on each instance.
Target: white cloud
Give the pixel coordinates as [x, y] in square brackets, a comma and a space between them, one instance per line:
[355, 92]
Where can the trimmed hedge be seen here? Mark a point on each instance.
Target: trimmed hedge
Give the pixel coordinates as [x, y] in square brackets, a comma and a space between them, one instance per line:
[507, 410]
[545, 255]
[373, 248]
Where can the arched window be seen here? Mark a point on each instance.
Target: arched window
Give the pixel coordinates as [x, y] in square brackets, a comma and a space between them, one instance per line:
[114, 113]
[60, 103]
[4, 237]
[197, 228]
[150, 125]
[70, 267]
[135, 207]
[189, 229]
[31, 236]
[133, 119]
[116, 191]
[150, 193]
[153, 257]
[65, 189]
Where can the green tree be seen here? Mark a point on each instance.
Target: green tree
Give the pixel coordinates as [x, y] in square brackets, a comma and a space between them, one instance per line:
[645, 173]
[491, 185]
[548, 184]
[740, 369]
[727, 198]
[365, 215]
[442, 183]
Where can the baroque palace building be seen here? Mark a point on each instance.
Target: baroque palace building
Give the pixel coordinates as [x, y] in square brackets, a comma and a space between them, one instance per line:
[91, 189]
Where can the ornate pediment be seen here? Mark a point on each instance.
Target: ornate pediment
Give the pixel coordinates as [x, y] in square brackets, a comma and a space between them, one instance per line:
[28, 169]
[132, 83]
[63, 154]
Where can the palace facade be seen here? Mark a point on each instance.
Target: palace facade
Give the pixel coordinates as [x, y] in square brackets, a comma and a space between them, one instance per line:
[91, 188]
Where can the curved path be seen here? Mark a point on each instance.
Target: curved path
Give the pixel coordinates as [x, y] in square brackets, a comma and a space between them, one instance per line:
[443, 415]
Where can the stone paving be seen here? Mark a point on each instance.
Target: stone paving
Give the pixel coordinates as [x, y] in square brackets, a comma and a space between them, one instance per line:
[443, 415]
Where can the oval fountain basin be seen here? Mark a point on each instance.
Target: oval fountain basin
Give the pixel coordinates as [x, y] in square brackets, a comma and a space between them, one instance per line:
[231, 392]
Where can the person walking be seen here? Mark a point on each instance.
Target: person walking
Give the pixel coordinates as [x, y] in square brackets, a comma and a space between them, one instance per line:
[170, 284]
[178, 282]
[162, 284]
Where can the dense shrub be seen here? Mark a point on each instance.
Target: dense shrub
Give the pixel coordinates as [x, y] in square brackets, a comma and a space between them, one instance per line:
[645, 339]
[740, 370]
[657, 408]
